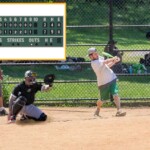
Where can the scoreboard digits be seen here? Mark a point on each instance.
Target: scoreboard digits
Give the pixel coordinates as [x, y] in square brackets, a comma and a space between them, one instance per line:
[31, 31]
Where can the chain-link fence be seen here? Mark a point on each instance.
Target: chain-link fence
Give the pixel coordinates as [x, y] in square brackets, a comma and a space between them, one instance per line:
[118, 28]
[114, 27]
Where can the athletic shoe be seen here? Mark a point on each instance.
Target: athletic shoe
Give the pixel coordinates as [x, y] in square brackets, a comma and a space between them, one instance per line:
[3, 112]
[120, 114]
[96, 113]
[23, 118]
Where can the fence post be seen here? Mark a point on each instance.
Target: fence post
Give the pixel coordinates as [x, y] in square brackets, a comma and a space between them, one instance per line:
[111, 26]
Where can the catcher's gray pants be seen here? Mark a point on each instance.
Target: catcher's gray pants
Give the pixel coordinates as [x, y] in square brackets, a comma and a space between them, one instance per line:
[31, 110]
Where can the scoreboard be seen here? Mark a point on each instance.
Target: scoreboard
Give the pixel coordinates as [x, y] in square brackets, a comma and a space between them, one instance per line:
[32, 31]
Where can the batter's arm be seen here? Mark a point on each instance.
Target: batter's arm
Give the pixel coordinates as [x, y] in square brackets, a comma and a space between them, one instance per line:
[111, 61]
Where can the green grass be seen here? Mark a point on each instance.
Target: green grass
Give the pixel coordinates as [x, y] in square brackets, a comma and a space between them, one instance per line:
[134, 87]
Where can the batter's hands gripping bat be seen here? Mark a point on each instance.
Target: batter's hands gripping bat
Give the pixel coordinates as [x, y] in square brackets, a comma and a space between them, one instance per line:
[116, 59]
[49, 79]
[107, 55]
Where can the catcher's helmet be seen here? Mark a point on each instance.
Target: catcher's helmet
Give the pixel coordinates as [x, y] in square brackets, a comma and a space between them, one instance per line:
[30, 77]
[30, 73]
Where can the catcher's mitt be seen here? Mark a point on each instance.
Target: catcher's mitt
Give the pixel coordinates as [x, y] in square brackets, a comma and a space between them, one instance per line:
[49, 79]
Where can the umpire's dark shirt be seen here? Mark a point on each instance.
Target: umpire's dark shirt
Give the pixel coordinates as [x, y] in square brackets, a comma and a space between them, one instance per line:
[27, 91]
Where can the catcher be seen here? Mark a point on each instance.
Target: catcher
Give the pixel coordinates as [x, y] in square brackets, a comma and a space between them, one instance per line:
[23, 95]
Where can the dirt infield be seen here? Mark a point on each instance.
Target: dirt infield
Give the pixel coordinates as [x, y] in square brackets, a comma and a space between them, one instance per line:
[77, 129]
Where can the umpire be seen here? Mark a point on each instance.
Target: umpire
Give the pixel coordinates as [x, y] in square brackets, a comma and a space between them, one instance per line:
[22, 98]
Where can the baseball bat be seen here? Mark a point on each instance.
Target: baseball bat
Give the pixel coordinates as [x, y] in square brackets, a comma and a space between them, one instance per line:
[107, 55]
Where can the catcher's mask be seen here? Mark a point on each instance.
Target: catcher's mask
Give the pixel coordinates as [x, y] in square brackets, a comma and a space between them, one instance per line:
[30, 77]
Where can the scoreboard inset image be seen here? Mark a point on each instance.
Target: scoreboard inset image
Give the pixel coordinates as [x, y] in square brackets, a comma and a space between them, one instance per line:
[30, 31]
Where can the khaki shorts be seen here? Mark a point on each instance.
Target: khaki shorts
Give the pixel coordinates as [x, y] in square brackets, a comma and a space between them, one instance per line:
[109, 89]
